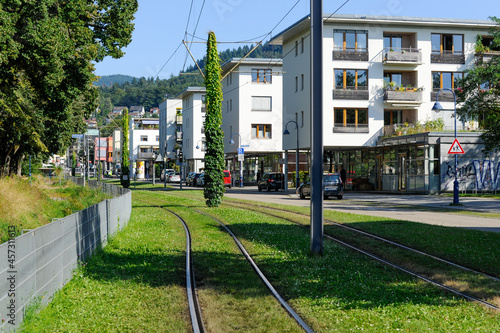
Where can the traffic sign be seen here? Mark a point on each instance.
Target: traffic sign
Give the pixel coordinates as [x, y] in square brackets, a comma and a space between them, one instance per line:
[77, 136]
[241, 154]
[456, 148]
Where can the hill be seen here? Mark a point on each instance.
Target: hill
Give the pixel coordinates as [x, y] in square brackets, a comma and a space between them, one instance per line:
[109, 80]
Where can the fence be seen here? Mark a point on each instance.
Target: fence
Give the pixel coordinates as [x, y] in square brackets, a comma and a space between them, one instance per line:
[40, 262]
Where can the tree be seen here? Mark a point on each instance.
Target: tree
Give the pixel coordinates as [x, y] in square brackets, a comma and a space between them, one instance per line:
[125, 168]
[479, 94]
[47, 51]
[214, 156]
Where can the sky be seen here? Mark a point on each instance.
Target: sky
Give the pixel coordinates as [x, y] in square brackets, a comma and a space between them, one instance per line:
[156, 49]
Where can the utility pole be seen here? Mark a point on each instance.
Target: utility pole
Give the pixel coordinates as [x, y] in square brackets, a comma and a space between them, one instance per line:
[317, 126]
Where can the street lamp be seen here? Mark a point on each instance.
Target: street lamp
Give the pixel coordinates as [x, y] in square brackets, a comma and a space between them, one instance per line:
[438, 107]
[286, 132]
[231, 142]
[154, 171]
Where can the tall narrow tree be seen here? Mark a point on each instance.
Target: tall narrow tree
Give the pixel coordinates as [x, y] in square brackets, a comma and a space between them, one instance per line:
[125, 168]
[214, 156]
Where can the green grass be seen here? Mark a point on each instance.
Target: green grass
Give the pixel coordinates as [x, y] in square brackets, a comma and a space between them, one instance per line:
[136, 283]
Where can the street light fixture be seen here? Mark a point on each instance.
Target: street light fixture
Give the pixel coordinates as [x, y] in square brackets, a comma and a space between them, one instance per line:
[286, 132]
[438, 107]
[231, 142]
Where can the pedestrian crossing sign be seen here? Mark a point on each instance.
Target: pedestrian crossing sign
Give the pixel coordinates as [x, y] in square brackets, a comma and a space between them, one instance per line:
[456, 148]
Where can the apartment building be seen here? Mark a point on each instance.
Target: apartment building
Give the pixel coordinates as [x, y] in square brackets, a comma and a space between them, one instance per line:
[170, 128]
[381, 79]
[252, 116]
[144, 143]
[190, 132]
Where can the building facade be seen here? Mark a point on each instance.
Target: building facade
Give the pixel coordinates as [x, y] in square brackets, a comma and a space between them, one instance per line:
[144, 143]
[170, 118]
[381, 78]
[252, 116]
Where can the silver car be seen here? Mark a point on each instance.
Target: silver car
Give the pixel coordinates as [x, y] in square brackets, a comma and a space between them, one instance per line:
[174, 177]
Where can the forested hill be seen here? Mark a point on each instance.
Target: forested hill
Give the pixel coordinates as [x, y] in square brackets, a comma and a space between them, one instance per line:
[149, 92]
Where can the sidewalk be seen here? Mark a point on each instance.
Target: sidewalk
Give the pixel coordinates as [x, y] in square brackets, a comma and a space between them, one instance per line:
[386, 205]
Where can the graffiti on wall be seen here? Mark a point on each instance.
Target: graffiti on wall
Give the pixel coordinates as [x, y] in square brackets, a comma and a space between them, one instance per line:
[477, 176]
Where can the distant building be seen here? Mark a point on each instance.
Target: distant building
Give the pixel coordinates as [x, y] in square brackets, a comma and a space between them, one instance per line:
[136, 112]
[117, 111]
[143, 145]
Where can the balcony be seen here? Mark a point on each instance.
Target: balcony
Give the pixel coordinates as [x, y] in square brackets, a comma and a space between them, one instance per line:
[352, 93]
[448, 57]
[350, 128]
[444, 95]
[402, 56]
[486, 56]
[403, 95]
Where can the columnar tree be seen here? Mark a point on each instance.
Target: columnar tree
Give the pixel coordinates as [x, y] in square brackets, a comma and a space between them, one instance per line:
[47, 53]
[479, 94]
[125, 171]
[214, 155]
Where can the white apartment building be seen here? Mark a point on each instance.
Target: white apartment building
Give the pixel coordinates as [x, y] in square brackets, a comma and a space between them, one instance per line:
[252, 115]
[170, 124]
[381, 76]
[144, 140]
[192, 131]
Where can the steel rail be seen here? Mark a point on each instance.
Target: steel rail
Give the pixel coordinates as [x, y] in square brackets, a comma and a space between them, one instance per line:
[268, 284]
[436, 283]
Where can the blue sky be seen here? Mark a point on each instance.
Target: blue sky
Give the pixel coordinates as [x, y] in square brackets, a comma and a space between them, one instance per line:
[160, 26]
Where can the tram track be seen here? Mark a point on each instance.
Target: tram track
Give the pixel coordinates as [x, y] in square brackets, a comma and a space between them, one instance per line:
[378, 257]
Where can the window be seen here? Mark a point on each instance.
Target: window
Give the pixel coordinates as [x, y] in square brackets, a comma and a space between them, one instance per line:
[157, 138]
[350, 40]
[301, 81]
[261, 131]
[231, 105]
[393, 42]
[296, 83]
[261, 103]
[397, 78]
[262, 75]
[144, 138]
[203, 103]
[351, 117]
[296, 48]
[302, 45]
[447, 43]
[446, 80]
[302, 117]
[351, 78]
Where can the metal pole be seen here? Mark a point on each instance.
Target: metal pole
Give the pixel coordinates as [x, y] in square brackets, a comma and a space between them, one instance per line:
[241, 166]
[30, 170]
[297, 160]
[455, 183]
[316, 126]
[286, 170]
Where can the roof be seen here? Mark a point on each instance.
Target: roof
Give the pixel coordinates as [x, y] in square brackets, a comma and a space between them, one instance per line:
[190, 91]
[272, 62]
[377, 20]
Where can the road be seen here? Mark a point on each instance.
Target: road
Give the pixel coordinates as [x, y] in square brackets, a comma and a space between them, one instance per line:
[393, 206]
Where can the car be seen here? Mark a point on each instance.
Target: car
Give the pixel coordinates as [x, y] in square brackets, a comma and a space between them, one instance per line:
[165, 172]
[271, 181]
[200, 181]
[189, 178]
[332, 186]
[227, 178]
[174, 177]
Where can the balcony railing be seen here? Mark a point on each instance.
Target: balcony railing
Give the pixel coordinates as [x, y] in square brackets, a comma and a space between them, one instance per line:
[402, 56]
[444, 95]
[409, 95]
[486, 56]
[350, 55]
[350, 128]
[349, 92]
[448, 57]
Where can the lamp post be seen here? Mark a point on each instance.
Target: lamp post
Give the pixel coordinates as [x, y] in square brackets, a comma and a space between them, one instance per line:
[231, 142]
[180, 157]
[154, 171]
[438, 107]
[286, 132]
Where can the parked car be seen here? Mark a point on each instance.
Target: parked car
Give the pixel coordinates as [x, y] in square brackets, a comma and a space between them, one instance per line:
[165, 172]
[271, 181]
[227, 178]
[200, 181]
[332, 186]
[189, 178]
[174, 177]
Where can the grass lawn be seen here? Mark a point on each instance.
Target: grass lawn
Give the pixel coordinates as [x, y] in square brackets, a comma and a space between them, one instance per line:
[136, 283]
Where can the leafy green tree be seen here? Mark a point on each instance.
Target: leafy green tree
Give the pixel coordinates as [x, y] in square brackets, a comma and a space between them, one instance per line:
[47, 51]
[125, 172]
[479, 94]
[214, 155]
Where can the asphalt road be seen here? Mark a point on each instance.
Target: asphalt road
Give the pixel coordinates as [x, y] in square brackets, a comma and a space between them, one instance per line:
[393, 206]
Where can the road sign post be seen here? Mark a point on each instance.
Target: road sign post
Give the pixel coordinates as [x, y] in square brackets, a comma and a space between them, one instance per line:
[241, 158]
